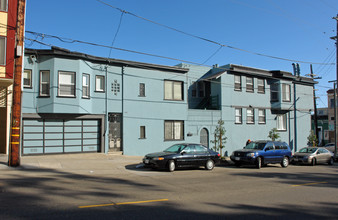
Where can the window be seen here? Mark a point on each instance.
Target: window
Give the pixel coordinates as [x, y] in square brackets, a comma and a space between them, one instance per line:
[27, 78]
[173, 130]
[115, 87]
[44, 83]
[261, 116]
[85, 86]
[249, 84]
[281, 122]
[67, 84]
[2, 51]
[238, 83]
[250, 116]
[173, 90]
[331, 103]
[238, 115]
[194, 89]
[274, 92]
[3, 5]
[201, 89]
[261, 85]
[142, 89]
[99, 84]
[142, 132]
[286, 92]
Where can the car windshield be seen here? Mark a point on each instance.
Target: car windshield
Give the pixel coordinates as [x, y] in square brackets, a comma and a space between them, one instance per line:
[175, 148]
[307, 150]
[256, 145]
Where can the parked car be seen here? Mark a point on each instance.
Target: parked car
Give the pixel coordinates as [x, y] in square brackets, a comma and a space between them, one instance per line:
[260, 153]
[313, 156]
[330, 147]
[182, 155]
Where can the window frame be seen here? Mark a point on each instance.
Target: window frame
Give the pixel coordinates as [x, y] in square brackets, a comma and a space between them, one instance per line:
[103, 78]
[30, 86]
[261, 86]
[142, 132]
[86, 96]
[284, 122]
[238, 116]
[5, 4]
[173, 95]
[3, 60]
[261, 117]
[286, 95]
[249, 86]
[71, 84]
[248, 116]
[238, 84]
[194, 89]
[173, 132]
[142, 90]
[44, 83]
[274, 91]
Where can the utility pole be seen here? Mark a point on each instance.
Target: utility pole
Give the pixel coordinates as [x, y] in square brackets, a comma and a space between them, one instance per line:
[296, 72]
[14, 148]
[314, 103]
[335, 103]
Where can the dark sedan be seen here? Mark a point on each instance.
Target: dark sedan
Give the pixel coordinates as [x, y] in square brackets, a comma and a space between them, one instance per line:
[182, 155]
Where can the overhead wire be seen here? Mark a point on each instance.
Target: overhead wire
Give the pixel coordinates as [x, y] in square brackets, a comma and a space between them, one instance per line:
[208, 40]
[117, 31]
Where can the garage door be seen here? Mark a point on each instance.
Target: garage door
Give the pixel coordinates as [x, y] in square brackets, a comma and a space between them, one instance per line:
[48, 136]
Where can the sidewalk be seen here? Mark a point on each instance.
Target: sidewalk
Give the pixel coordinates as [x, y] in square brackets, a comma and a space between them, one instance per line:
[78, 163]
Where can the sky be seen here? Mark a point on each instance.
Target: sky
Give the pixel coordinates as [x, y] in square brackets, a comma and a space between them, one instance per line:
[264, 34]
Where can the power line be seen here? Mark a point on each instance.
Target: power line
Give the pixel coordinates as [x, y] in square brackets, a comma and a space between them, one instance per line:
[117, 31]
[208, 40]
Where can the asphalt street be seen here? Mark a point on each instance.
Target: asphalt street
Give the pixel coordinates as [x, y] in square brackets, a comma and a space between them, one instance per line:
[98, 186]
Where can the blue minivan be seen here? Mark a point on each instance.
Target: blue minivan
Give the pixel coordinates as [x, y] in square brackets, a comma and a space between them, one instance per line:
[261, 153]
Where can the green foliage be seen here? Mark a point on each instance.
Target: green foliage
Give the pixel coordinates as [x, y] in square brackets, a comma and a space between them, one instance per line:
[312, 139]
[273, 134]
[219, 135]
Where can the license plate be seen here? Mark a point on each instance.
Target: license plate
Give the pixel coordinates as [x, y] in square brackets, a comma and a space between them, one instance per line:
[237, 158]
[295, 159]
[146, 161]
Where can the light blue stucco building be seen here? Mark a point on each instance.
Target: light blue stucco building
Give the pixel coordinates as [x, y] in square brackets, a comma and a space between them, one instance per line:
[74, 102]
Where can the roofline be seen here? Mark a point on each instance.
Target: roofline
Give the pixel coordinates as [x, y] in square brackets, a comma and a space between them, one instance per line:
[61, 52]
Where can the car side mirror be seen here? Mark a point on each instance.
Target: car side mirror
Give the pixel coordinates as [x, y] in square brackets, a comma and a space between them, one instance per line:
[318, 152]
[183, 152]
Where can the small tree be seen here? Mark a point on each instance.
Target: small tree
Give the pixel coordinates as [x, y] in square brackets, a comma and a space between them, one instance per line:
[220, 138]
[273, 134]
[312, 139]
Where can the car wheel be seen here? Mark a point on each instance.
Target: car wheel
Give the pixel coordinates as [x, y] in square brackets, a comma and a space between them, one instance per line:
[209, 165]
[285, 162]
[313, 162]
[258, 162]
[171, 166]
[331, 162]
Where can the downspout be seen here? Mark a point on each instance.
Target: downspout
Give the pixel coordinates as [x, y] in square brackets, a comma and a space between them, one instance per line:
[122, 116]
[106, 139]
[295, 69]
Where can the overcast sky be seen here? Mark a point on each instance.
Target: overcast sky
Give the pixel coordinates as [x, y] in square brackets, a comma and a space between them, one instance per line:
[265, 34]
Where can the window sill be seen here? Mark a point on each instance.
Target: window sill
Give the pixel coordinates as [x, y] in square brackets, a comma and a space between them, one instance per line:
[44, 96]
[100, 91]
[59, 96]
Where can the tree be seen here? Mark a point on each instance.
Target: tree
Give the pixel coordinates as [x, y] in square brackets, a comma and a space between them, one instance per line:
[220, 138]
[273, 134]
[312, 139]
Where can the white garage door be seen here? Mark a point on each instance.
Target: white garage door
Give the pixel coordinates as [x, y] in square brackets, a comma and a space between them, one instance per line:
[47, 136]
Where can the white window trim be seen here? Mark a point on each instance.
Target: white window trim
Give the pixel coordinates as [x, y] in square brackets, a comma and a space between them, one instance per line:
[84, 95]
[44, 83]
[3, 50]
[177, 130]
[261, 86]
[281, 122]
[260, 116]
[236, 82]
[250, 115]
[238, 116]
[169, 90]
[97, 87]
[28, 72]
[71, 84]
[286, 92]
[249, 85]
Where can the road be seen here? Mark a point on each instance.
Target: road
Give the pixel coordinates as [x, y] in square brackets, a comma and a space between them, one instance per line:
[226, 192]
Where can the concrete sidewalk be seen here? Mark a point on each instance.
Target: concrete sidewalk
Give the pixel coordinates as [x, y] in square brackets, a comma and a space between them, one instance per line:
[78, 163]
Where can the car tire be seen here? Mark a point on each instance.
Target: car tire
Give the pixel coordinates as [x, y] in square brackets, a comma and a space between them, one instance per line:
[285, 162]
[209, 165]
[331, 162]
[171, 166]
[258, 162]
[313, 162]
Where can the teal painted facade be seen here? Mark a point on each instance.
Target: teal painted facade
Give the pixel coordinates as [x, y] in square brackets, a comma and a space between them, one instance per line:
[147, 107]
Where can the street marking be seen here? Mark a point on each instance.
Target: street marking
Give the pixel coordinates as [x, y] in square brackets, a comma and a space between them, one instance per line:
[16, 128]
[15, 142]
[16, 135]
[307, 184]
[122, 203]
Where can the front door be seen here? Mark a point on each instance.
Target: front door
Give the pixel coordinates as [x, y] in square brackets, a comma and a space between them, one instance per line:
[115, 137]
[204, 137]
